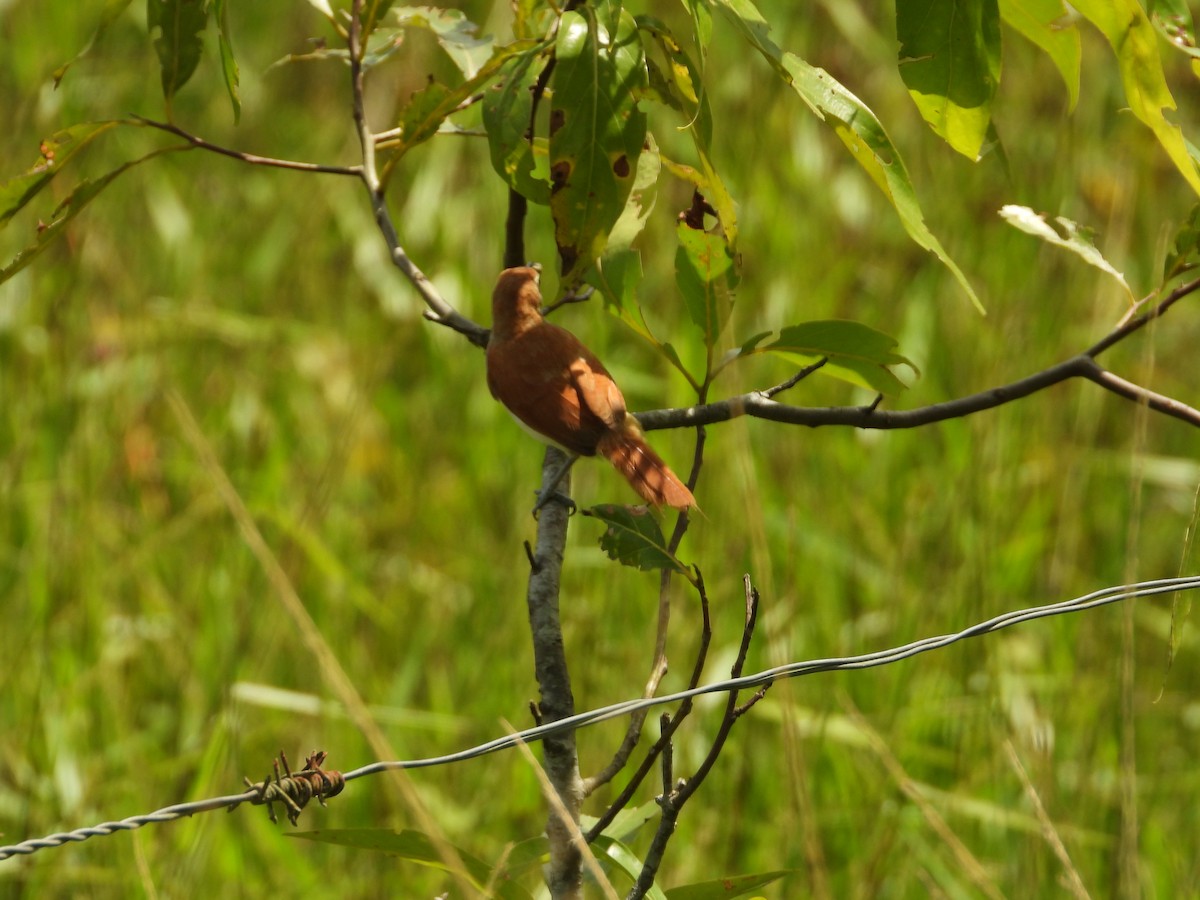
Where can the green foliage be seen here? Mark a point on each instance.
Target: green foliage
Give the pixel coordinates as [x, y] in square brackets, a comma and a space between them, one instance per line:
[597, 130]
[1128, 30]
[507, 112]
[633, 537]
[395, 493]
[56, 151]
[706, 274]
[1048, 25]
[950, 62]
[853, 352]
[179, 25]
[1185, 249]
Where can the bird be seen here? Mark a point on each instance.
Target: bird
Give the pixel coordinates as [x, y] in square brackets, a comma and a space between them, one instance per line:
[559, 391]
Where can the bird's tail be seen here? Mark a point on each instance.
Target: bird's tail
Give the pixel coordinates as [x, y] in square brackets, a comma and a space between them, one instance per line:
[644, 469]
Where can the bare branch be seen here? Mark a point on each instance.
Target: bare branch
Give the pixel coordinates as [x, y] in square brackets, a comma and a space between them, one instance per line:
[249, 158]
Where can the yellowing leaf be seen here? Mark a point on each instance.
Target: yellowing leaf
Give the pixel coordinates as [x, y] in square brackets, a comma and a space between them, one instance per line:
[1073, 237]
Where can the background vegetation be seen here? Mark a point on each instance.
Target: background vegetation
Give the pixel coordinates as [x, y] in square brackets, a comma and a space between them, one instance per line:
[147, 661]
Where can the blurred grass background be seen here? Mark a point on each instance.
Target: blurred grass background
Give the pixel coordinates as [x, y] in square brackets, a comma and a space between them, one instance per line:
[140, 632]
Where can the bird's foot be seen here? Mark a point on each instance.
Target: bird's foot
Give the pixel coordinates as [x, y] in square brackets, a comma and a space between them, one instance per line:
[546, 498]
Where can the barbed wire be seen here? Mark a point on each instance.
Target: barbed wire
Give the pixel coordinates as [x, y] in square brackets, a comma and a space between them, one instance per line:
[268, 791]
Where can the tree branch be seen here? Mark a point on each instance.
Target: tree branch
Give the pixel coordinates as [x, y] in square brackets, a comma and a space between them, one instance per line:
[758, 404]
[564, 875]
[250, 158]
[439, 312]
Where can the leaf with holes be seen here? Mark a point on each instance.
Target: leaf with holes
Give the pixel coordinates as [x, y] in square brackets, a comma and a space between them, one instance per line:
[597, 131]
[456, 34]
[685, 91]
[633, 538]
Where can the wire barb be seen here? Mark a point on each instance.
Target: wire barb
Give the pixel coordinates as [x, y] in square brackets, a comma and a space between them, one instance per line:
[294, 791]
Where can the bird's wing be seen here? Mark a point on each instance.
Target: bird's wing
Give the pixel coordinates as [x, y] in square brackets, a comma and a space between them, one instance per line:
[598, 393]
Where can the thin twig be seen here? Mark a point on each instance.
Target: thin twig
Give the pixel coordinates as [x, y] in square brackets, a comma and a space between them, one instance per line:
[795, 379]
[675, 798]
[250, 158]
[671, 723]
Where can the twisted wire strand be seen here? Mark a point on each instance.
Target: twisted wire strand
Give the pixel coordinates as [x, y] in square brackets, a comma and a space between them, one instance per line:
[891, 655]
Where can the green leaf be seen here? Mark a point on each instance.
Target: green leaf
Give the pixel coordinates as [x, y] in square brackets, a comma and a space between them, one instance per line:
[83, 194]
[416, 847]
[706, 273]
[627, 823]
[229, 66]
[1173, 20]
[1125, 24]
[950, 62]
[56, 152]
[597, 131]
[1047, 24]
[640, 202]
[854, 124]
[1073, 237]
[616, 277]
[723, 888]
[180, 25]
[626, 860]
[506, 115]
[634, 539]
[428, 108]
[1185, 250]
[456, 34]
[110, 13]
[423, 115]
[853, 352]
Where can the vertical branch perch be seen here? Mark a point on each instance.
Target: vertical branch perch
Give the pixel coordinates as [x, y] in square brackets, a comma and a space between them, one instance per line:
[564, 871]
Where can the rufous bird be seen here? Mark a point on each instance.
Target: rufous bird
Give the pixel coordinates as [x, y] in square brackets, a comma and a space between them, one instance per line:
[560, 391]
